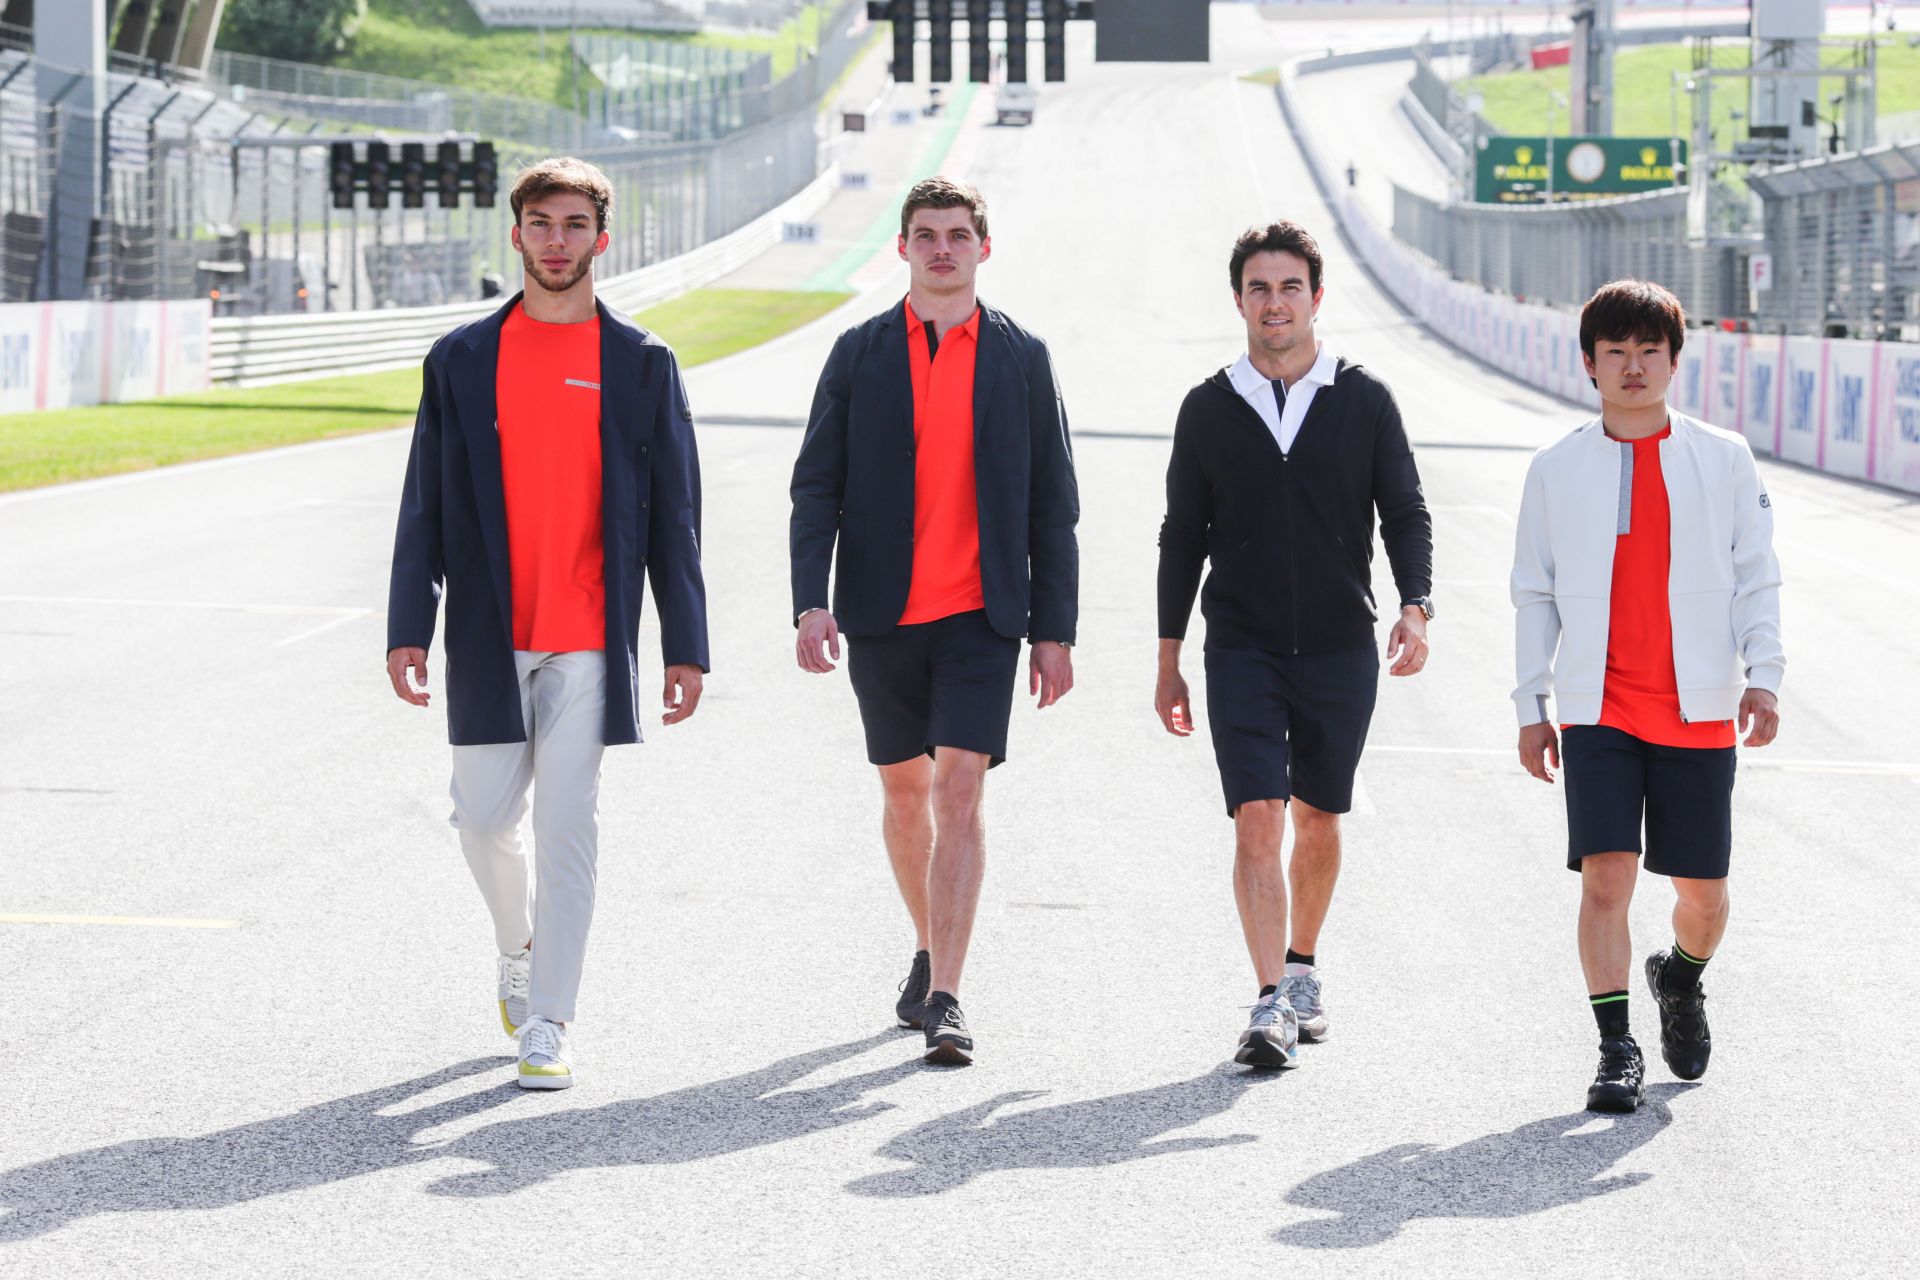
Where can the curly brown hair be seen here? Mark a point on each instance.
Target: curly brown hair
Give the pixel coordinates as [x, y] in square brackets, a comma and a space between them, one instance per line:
[564, 175]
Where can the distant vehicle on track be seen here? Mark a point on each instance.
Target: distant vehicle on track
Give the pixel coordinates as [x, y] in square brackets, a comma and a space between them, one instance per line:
[1014, 103]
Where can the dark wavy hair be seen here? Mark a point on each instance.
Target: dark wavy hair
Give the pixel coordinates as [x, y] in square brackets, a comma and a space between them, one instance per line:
[1275, 237]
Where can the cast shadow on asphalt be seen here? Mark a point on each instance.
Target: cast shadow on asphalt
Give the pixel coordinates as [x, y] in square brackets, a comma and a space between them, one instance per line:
[945, 1154]
[1539, 1166]
[349, 1137]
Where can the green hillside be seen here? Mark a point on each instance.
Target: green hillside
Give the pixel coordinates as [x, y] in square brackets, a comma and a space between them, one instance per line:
[442, 41]
[1645, 101]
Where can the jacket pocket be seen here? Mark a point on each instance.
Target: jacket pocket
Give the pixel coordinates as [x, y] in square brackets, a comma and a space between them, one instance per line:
[1705, 655]
[1581, 666]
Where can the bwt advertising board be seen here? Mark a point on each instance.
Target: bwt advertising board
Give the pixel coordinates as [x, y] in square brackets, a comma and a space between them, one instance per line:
[59, 355]
[1515, 170]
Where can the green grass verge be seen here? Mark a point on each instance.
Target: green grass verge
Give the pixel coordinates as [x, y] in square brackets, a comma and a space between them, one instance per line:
[1271, 76]
[442, 41]
[1644, 102]
[58, 445]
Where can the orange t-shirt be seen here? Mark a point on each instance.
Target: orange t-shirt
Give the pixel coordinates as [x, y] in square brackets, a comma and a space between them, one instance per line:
[946, 505]
[1642, 696]
[547, 388]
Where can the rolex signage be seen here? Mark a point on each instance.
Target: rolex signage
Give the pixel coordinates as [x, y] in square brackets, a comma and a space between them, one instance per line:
[1515, 170]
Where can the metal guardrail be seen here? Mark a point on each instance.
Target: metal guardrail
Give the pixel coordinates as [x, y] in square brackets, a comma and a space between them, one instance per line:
[256, 349]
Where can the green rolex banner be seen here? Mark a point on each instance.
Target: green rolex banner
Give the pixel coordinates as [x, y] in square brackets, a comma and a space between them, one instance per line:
[1515, 170]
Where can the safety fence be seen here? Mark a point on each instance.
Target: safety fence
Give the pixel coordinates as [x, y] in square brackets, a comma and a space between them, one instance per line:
[1847, 407]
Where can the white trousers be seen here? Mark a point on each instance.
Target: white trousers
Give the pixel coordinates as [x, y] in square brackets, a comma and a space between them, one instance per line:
[563, 704]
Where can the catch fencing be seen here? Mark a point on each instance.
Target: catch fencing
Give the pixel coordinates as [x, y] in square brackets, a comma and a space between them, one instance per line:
[1847, 407]
[215, 193]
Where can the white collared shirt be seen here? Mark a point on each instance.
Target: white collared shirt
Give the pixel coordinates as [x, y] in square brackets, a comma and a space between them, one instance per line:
[1257, 390]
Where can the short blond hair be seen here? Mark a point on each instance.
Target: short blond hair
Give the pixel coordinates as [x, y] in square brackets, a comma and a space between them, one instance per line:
[568, 175]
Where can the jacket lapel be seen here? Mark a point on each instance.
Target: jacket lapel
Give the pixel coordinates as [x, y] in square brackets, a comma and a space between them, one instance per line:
[990, 353]
[896, 364]
[472, 373]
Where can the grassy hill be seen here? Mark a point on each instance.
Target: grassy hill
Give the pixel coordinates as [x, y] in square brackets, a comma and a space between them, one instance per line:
[442, 41]
[1644, 100]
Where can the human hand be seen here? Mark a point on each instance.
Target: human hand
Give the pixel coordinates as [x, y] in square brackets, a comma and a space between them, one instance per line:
[399, 661]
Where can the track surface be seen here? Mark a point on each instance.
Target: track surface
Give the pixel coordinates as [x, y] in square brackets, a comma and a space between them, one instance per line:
[194, 726]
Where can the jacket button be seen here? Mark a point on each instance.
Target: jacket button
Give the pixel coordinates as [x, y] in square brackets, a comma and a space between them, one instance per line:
[643, 506]
[909, 455]
[643, 448]
[903, 526]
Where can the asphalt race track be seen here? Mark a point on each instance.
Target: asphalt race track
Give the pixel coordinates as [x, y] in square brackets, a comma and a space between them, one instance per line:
[296, 1067]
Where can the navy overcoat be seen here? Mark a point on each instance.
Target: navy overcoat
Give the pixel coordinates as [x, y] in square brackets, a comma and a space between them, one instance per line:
[453, 526]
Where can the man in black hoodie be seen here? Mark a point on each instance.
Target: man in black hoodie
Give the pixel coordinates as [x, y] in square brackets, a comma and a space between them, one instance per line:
[1279, 462]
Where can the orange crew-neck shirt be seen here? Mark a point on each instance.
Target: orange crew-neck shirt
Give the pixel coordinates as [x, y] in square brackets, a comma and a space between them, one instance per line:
[547, 392]
[1642, 696]
[946, 504]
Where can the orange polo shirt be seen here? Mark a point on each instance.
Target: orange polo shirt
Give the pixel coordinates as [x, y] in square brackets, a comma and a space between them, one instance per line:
[547, 389]
[946, 505]
[1642, 696]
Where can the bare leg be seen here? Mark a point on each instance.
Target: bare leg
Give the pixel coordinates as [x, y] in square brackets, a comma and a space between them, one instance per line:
[959, 861]
[1606, 946]
[1700, 912]
[1259, 888]
[906, 824]
[1314, 867]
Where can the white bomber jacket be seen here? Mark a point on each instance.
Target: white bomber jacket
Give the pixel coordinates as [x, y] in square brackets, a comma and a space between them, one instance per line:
[1723, 586]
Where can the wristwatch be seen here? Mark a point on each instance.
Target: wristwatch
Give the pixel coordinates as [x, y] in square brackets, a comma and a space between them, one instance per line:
[1422, 603]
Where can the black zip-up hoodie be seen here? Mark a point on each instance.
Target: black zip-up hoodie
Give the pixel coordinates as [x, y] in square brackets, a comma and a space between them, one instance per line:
[1290, 536]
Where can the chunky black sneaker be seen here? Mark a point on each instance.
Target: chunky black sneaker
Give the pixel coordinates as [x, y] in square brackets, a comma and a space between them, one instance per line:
[1684, 1040]
[910, 1007]
[946, 1028]
[1618, 1085]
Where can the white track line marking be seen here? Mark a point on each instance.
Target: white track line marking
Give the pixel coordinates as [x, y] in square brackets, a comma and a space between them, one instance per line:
[328, 625]
[116, 602]
[144, 922]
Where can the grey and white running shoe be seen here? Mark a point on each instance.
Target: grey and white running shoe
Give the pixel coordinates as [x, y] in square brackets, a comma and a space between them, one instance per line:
[1272, 1034]
[516, 973]
[1303, 993]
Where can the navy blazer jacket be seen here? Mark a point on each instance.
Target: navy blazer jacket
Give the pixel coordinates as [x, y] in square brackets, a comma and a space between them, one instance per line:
[453, 526]
[853, 483]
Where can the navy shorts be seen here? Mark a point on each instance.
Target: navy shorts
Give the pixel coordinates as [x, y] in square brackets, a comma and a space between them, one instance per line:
[1289, 725]
[945, 683]
[1685, 793]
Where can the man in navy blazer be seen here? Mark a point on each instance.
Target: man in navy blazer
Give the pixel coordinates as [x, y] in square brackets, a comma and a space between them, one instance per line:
[937, 462]
[553, 471]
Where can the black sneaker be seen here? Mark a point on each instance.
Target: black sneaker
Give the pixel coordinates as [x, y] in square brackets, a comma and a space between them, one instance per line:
[1684, 1039]
[946, 1028]
[913, 992]
[1617, 1087]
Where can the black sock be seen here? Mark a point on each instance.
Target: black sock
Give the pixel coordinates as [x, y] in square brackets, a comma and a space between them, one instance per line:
[1268, 990]
[1294, 957]
[1682, 970]
[1610, 1011]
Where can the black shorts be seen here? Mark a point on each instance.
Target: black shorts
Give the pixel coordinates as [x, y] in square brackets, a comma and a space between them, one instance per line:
[1289, 725]
[1686, 794]
[945, 683]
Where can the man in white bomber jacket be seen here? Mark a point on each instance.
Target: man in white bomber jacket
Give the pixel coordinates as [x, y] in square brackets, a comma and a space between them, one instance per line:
[1648, 601]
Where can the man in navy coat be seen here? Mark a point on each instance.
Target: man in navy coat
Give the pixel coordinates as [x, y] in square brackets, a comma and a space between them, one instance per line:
[937, 462]
[553, 470]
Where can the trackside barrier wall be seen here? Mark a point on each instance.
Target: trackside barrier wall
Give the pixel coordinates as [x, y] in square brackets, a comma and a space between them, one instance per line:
[1847, 407]
[54, 355]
